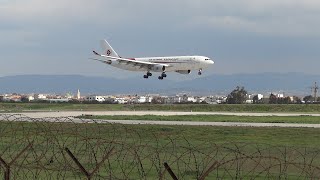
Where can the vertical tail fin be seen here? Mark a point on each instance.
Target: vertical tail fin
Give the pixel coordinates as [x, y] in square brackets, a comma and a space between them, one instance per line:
[107, 49]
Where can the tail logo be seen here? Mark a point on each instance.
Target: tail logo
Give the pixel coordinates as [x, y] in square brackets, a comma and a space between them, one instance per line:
[108, 52]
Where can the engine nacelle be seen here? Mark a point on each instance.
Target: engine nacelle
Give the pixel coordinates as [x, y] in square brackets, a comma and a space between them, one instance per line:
[183, 71]
[158, 68]
[108, 62]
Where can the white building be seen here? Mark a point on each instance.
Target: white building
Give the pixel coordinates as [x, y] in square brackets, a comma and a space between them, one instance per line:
[210, 100]
[121, 100]
[57, 100]
[78, 94]
[191, 99]
[186, 99]
[5, 97]
[280, 95]
[177, 99]
[40, 96]
[221, 99]
[249, 101]
[95, 98]
[30, 98]
[169, 100]
[142, 99]
[149, 99]
[201, 99]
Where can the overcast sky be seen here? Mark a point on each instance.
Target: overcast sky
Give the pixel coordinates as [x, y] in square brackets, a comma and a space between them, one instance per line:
[242, 36]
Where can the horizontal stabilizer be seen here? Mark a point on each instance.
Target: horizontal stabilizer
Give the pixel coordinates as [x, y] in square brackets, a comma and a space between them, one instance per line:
[94, 52]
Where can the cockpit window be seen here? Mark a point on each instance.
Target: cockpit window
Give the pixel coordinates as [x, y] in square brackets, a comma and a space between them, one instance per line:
[206, 59]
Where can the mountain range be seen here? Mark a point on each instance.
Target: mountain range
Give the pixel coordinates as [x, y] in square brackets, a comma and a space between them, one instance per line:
[261, 82]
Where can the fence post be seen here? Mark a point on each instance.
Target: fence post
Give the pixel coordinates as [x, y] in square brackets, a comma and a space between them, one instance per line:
[211, 168]
[6, 169]
[174, 177]
[101, 162]
[7, 174]
[86, 173]
[8, 165]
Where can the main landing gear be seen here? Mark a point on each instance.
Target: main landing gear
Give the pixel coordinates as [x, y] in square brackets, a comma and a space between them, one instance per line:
[146, 76]
[163, 75]
[200, 72]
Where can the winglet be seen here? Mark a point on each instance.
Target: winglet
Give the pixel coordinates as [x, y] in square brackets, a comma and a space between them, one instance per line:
[94, 52]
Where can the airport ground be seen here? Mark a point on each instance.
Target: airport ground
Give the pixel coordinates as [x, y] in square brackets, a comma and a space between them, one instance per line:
[264, 137]
[179, 114]
[163, 140]
[254, 108]
[273, 136]
[239, 117]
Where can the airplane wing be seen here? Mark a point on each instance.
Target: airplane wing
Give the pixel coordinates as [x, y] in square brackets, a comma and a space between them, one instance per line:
[103, 61]
[140, 64]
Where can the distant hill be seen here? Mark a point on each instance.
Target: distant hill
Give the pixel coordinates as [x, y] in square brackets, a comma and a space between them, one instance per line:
[266, 82]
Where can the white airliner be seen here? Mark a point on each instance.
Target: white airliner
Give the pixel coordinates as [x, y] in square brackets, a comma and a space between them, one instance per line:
[179, 64]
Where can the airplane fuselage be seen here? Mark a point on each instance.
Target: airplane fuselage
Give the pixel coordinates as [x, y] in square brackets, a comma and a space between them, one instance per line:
[176, 63]
[179, 64]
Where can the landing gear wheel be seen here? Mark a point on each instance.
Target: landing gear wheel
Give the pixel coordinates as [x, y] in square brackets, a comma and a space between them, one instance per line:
[145, 76]
[199, 73]
[149, 74]
[160, 78]
[164, 75]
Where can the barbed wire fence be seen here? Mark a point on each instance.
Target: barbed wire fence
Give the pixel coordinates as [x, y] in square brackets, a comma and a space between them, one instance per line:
[72, 148]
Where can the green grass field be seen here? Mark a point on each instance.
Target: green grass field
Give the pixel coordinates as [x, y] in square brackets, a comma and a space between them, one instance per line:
[140, 150]
[215, 118]
[294, 108]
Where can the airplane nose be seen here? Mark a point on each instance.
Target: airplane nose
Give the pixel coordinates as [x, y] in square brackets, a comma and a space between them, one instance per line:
[210, 62]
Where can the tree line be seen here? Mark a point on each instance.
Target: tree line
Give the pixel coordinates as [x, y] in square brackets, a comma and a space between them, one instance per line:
[239, 96]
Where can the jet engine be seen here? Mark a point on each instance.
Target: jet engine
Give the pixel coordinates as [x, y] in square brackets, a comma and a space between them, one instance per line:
[108, 62]
[158, 68]
[183, 71]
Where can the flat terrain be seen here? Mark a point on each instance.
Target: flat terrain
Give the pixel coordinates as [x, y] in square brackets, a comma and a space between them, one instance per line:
[226, 124]
[188, 118]
[245, 139]
[140, 150]
[252, 118]
[257, 108]
[42, 114]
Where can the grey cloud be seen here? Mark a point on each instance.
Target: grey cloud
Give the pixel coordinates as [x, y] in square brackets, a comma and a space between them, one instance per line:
[293, 17]
[61, 33]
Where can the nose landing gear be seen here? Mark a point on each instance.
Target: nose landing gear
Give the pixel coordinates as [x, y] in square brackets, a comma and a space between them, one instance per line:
[200, 72]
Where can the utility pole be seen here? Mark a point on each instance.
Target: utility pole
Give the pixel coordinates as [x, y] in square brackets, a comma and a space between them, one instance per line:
[315, 91]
